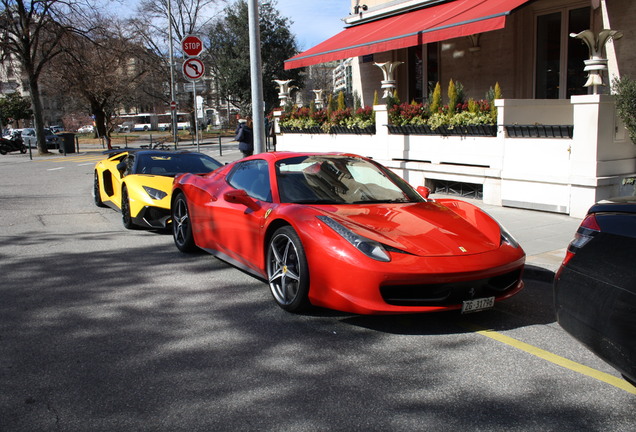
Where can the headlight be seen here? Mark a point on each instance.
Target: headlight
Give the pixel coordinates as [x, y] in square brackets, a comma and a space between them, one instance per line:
[369, 247]
[155, 193]
[506, 237]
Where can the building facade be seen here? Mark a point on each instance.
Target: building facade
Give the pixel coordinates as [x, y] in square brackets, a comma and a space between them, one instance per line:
[526, 47]
[12, 80]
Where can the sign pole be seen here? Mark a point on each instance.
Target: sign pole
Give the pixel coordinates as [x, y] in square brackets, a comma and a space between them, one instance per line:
[196, 119]
[173, 117]
[193, 69]
[256, 76]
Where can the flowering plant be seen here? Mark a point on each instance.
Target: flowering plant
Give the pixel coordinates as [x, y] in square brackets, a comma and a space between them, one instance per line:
[470, 113]
[305, 118]
[408, 114]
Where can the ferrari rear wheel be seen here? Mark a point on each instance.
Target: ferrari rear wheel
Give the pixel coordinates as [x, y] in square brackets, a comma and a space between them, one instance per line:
[96, 195]
[287, 270]
[125, 209]
[181, 226]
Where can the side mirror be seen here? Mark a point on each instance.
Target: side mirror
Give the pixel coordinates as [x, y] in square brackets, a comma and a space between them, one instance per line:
[239, 196]
[424, 191]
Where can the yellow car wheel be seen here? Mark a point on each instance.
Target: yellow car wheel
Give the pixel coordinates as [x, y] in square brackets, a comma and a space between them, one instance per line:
[96, 194]
[125, 209]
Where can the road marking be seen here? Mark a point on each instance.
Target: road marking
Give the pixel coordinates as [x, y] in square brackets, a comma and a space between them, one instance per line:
[553, 358]
[55, 169]
[77, 158]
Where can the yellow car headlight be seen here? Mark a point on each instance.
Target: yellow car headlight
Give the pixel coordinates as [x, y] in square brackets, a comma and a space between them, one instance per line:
[155, 193]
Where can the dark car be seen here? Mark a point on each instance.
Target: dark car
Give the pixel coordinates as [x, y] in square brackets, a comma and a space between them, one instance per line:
[595, 288]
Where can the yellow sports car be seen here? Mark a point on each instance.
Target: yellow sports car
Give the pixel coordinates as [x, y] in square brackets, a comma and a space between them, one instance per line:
[139, 182]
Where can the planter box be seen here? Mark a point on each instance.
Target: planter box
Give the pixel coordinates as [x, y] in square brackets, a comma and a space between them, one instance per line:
[464, 130]
[311, 130]
[539, 131]
[370, 130]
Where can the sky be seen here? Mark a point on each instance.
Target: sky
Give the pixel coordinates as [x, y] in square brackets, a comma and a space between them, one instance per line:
[314, 21]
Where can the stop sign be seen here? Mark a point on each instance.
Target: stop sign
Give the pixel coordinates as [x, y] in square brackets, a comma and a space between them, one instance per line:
[192, 45]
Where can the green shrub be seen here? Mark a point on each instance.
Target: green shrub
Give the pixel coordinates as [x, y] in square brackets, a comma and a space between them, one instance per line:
[341, 101]
[452, 97]
[436, 99]
[625, 89]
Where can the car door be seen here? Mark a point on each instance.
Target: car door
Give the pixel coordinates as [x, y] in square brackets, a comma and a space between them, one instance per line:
[238, 220]
[28, 137]
[113, 177]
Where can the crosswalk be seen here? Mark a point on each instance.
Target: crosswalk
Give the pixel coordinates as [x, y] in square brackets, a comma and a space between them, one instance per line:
[83, 158]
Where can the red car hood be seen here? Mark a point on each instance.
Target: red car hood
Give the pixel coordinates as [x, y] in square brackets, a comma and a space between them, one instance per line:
[424, 229]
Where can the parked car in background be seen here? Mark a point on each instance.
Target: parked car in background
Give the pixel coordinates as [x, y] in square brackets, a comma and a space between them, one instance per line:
[595, 287]
[139, 182]
[86, 129]
[30, 139]
[57, 129]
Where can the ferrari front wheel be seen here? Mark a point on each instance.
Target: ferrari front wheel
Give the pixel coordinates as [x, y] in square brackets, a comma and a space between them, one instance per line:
[181, 226]
[287, 270]
[126, 218]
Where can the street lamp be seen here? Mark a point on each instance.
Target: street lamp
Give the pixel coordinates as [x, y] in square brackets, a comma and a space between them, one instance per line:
[173, 111]
[258, 108]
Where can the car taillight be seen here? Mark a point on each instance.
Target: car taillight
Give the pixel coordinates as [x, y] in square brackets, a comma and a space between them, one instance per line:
[586, 232]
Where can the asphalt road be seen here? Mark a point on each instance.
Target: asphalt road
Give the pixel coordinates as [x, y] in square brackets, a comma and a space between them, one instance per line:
[105, 329]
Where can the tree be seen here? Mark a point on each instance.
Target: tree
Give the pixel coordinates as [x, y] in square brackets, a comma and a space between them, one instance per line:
[625, 89]
[186, 17]
[316, 77]
[31, 32]
[14, 107]
[107, 72]
[229, 60]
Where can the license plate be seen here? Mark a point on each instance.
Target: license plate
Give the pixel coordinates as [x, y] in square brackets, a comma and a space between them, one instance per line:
[477, 304]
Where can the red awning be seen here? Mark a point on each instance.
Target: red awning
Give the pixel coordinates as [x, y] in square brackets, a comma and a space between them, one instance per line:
[431, 24]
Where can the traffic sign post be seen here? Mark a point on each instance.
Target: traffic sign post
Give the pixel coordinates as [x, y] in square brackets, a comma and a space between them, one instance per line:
[192, 45]
[193, 69]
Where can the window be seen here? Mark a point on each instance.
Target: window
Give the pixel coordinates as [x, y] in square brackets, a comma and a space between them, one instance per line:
[416, 74]
[253, 177]
[432, 67]
[559, 60]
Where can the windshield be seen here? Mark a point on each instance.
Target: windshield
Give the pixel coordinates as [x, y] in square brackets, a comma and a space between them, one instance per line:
[170, 165]
[339, 180]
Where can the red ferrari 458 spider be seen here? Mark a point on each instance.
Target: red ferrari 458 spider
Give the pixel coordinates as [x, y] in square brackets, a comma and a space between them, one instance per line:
[343, 232]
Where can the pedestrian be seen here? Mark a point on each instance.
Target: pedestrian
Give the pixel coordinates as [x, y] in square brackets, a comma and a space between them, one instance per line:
[245, 137]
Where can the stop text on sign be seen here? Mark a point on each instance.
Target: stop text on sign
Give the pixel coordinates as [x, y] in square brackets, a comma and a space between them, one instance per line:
[192, 45]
